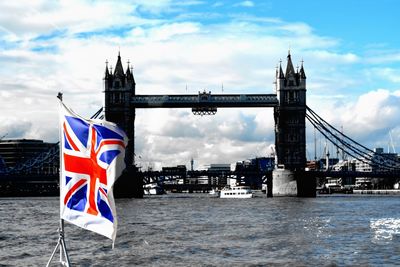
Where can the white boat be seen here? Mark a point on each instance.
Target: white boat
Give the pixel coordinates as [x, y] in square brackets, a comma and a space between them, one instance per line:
[213, 192]
[236, 192]
[153, 189]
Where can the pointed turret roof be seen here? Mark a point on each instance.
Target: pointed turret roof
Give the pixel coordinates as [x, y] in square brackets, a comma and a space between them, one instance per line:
[128, 70]
[119, 70]
[281, 76]
[289, 67]
[302, 73]
[106, 72]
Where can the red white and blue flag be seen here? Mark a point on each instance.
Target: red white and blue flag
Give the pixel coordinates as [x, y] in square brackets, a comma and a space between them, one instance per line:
[92, 158]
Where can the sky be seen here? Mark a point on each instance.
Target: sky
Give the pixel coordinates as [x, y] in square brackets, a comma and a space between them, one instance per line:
[351, 55]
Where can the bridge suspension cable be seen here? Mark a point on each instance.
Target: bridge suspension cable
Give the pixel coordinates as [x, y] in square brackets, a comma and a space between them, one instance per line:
[350, 146]
[97, 114]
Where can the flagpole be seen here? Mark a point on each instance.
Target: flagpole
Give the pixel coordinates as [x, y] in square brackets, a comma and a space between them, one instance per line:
[64, 258]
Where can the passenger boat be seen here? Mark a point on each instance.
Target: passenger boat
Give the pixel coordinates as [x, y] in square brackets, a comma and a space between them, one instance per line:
[153, 189]
[236, 192]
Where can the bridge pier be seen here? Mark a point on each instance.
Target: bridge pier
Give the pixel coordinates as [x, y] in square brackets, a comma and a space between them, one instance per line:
[306, 184]
[291, 183]
[269, 186]
[129, 184]
[283, 183]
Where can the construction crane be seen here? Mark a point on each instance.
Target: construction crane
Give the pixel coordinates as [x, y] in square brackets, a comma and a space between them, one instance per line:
[391, 143]
[1, 138]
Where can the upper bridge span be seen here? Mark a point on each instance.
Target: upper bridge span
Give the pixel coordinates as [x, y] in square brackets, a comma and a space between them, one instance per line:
[205, 100]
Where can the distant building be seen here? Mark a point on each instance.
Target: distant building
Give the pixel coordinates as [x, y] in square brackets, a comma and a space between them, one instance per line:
[16, 151]
[323, 164]
[179, 169]
[217, 174]
[251, 172]
[376, 161]
[261, 164]
[219, 168]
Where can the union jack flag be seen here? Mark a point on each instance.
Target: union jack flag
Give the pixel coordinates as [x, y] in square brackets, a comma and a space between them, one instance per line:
[92, 158]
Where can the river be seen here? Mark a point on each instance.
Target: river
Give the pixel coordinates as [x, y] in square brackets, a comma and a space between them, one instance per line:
[201, 230]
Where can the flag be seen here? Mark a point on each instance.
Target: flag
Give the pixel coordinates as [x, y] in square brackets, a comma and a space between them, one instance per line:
[92, 157]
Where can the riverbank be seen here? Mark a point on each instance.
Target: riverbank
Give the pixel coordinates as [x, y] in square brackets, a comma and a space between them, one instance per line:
[377, 192]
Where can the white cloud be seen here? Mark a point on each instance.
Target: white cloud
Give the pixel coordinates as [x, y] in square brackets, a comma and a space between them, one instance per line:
[383, 57]
[167, 55]
[245, 4]
[366, 119]
[390, 74]
[218, 4]
[333, 58]
[173, 30]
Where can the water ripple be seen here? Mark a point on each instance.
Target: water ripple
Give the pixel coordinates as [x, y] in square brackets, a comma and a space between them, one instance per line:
[198, 230]
[385, 229]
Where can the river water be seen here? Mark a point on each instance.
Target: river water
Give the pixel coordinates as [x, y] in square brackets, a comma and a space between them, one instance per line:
[201, 230]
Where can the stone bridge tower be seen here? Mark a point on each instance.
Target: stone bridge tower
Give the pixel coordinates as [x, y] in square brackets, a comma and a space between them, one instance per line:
[290, 131]
[290, 135]
[119, 87]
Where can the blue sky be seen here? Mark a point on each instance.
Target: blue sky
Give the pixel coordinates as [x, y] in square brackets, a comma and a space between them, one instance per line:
[350, 49]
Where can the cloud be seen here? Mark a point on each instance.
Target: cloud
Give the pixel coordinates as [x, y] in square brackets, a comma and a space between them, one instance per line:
[167, 31]
[245, 4]
[47, 47]
[389, 74]
[368, 119]
[383, 56]
[13, 129]
[334, 58]
[218, 4]
[373, 110]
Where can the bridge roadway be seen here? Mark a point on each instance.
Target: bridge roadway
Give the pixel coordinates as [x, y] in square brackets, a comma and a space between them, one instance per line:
[204, 100]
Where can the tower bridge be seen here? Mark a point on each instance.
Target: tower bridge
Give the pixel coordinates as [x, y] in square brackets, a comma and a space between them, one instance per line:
[290, 114]
[289, 104]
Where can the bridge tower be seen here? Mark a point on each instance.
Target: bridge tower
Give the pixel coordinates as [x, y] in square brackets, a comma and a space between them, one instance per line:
[119, 87]
[290, 132]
